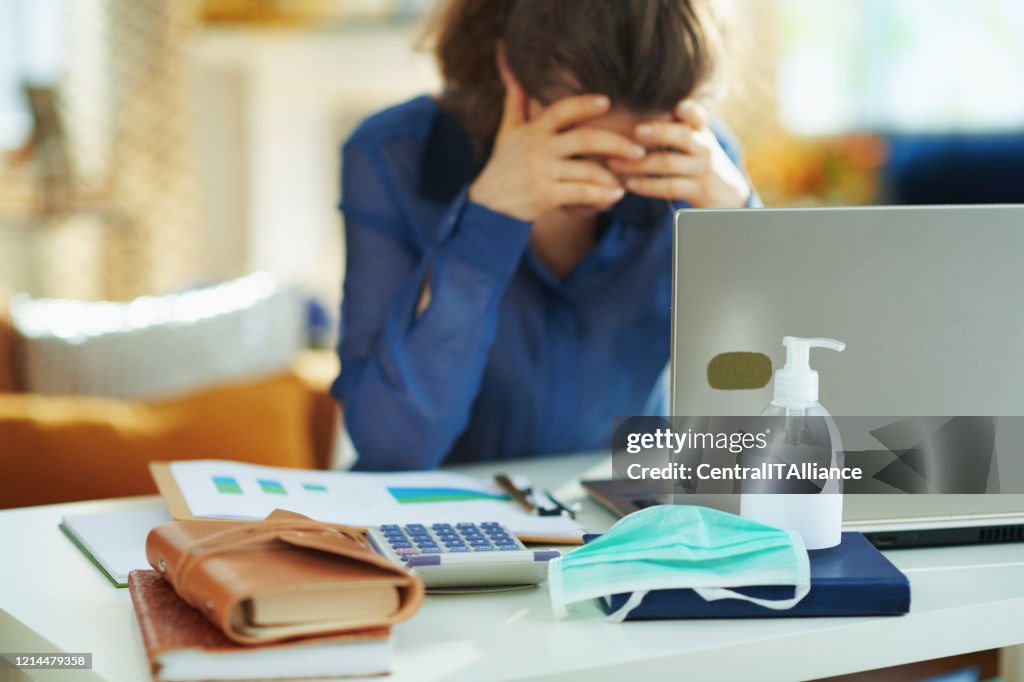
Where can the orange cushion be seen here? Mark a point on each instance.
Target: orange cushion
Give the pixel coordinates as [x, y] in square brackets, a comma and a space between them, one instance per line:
[59, 449]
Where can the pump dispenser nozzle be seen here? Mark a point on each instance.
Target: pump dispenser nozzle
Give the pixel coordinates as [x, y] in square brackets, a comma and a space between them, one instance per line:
[796, 384]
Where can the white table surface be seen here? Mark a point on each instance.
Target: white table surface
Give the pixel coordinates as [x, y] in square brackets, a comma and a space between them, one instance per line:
[963, 599]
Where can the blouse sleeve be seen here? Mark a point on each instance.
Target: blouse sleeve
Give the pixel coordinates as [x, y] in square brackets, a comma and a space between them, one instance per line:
[408, 380]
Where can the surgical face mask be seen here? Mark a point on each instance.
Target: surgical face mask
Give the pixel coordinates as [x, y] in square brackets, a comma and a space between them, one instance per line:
[681, 546]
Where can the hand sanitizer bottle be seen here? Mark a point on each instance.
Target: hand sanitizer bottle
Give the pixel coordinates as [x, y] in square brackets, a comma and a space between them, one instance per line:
[809, 434]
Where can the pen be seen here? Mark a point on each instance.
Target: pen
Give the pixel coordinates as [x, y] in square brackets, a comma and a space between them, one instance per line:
[543, 503]
[517, 494]
[562, 507]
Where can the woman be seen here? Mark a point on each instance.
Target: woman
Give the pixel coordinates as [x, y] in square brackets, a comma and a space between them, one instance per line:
[509, 244]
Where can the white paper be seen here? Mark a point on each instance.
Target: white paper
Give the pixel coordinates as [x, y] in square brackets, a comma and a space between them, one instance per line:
[355, 498]
[117, 540]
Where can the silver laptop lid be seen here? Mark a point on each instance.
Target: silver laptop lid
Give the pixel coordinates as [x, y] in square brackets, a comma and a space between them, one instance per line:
[930, 301]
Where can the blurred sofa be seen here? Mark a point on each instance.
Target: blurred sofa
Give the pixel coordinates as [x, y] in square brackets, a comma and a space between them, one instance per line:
[61, 448]
[965, 168]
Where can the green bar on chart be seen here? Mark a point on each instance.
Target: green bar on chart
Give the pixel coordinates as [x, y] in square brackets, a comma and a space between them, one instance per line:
[271, 487]
[227, 484]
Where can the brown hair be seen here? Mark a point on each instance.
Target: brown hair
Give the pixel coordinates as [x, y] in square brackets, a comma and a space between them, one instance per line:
[645, 55]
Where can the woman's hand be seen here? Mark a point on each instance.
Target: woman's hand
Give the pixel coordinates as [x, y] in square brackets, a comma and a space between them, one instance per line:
[535, 165]
[688, 165]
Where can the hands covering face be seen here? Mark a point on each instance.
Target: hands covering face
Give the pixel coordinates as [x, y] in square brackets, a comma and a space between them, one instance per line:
[563, 157]
[684, 161]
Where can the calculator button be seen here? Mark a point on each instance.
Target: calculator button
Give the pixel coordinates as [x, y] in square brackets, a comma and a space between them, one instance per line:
[458, 548]
[425, 542]
[401, 545]
[390, 528]
[507, 547]
[483, 548]
[454, 543]
[441, 526]
[407, 550]
[478, 545]
[415, 527]
[465, 524]
[430, 550]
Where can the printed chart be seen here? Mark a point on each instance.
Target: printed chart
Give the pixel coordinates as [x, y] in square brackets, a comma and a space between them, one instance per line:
[224, 489]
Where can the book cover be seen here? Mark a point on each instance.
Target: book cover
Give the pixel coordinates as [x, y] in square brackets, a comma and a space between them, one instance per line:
[183, 645]
[850, 579]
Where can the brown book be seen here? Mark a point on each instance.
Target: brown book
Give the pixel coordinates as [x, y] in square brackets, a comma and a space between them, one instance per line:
[182, 644]
[282, 578]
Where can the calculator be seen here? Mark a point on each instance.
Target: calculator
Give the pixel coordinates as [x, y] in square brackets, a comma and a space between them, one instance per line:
[464, 556]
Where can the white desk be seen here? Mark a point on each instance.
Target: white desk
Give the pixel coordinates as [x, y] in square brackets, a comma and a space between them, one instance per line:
[964, 599]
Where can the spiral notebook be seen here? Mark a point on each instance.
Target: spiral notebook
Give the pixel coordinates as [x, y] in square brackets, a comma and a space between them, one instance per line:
[114, 541]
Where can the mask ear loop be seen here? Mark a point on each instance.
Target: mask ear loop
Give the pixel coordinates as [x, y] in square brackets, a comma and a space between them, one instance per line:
[716, 593]
[620, 614]
[801, 588]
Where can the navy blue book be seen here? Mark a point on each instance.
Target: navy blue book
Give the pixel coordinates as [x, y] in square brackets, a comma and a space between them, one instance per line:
[851, 579]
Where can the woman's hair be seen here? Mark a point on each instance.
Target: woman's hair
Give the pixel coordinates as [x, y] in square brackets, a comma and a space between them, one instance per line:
[645, 55]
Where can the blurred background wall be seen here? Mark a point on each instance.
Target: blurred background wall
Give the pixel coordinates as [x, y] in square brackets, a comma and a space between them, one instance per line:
[171, 166]
[166, 144]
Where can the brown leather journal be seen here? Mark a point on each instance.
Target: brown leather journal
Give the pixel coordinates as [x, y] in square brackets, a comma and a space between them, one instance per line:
[282, 578]
[183, 645]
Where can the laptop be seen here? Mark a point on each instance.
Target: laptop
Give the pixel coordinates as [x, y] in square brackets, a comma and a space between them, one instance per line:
[930, 302]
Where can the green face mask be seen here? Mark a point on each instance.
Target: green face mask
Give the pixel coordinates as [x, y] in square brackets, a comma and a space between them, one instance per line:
[681, 546]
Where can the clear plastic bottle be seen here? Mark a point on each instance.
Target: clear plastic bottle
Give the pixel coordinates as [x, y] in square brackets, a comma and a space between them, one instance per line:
[809, 435]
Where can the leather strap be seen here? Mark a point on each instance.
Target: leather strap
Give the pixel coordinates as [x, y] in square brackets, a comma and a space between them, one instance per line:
[234, 539]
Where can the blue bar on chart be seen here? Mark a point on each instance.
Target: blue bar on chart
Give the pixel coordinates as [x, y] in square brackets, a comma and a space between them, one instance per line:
[271, 487]
[227, 484]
